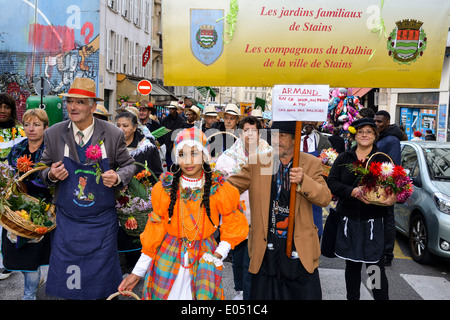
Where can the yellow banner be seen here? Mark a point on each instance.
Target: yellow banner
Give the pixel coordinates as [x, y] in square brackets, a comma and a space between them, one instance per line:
[353, 43]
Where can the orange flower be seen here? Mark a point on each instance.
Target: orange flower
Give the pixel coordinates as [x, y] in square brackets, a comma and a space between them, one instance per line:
[24, 164]
[143, 174]
[41, 230]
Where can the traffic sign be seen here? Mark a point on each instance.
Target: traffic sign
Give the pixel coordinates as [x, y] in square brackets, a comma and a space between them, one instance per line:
[146, 56]
[144, 87]
[42, 87]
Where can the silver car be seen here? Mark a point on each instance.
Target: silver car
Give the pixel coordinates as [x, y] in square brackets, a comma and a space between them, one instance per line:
[425, 217]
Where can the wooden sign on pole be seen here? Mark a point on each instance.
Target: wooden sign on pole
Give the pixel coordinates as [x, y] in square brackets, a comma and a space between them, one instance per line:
[298, 103]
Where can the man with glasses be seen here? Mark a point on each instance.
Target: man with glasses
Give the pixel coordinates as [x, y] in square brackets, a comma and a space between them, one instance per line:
[389, 143]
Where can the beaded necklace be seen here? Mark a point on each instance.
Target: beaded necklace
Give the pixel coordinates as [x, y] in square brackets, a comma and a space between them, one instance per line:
[183, 229]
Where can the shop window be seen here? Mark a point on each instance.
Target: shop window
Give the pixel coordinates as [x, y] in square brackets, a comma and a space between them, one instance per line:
[430, 98]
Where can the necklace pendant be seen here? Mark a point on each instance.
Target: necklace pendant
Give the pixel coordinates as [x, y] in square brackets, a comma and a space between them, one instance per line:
[189, 243]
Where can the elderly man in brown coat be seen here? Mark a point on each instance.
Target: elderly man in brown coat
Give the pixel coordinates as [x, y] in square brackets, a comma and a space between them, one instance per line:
[268, 179]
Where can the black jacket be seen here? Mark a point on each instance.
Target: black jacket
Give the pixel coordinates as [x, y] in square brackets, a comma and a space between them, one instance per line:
[341, 182]
[389, 142]
[338, 143]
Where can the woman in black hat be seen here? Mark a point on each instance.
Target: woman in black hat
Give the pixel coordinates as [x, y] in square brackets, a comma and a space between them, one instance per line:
[360, 234]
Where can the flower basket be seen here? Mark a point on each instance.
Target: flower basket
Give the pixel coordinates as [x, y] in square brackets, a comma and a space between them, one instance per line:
[380, 180]
[327, 156]
[325, 170]
[16, 223]
[133, 204]
[377, 195]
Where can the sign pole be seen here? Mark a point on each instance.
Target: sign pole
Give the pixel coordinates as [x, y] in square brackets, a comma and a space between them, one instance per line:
[292, 198]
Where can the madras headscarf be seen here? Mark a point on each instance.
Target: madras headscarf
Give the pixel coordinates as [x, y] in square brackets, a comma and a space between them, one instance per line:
[192, 137]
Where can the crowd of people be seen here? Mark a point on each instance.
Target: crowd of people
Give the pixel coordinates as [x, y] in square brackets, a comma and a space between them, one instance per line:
[225, 192]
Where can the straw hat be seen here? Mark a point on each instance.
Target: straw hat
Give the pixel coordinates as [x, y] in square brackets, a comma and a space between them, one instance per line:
[82, 88]
[173, 105]
[232, 109]
[101, 110]
[148, 105]
[257, 112]
[210, 110]
[196, 110]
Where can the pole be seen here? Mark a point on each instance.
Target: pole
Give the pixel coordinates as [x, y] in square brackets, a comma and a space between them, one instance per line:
[290, 234]
[42, 93]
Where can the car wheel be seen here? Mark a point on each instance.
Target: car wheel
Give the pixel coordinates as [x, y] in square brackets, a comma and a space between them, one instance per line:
[418, 240]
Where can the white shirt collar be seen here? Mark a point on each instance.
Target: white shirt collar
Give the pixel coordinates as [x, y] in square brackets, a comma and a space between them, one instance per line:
[87, 132]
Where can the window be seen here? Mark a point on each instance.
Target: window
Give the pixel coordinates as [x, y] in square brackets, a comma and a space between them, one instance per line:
[110, 49]
[113, 5]
[147, 16]
[438, 161]
[118, 53]
[409, 161]
[126, 9]
[419, 98]
[125, 51]
[131, 57]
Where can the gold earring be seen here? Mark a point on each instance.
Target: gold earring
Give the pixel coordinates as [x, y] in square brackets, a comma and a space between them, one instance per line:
[210, 170]
[171, 167]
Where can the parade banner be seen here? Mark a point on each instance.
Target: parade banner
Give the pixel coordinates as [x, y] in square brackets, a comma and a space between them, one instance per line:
[300, 103]
[352, 43]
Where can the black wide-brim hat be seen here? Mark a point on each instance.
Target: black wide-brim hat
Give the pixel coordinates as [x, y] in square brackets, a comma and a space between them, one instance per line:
[284, 126]
[364, 122]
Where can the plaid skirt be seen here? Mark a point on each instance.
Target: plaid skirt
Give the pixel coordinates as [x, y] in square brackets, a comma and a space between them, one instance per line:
[206, 278]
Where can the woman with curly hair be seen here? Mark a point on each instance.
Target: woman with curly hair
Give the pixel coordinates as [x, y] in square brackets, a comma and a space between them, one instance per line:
[180, 256]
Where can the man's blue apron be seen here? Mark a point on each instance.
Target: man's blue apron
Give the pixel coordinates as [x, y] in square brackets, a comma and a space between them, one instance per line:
[84, 263]
[317, 211]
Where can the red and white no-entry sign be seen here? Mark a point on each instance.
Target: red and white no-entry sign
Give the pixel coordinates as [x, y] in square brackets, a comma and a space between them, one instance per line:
[144, 87]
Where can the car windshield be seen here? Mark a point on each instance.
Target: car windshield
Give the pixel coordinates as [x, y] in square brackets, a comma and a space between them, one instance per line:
[438, 162]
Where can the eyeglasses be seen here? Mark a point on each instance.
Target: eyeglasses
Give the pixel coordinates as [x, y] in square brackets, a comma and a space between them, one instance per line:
[368, 132]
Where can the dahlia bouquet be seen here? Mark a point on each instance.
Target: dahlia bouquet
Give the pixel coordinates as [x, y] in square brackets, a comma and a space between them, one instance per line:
[328, 156]
[133, 204]
[381, 179]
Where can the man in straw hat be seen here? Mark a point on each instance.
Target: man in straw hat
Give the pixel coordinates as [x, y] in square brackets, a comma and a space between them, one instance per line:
[192, 115]
[210, 117]
[86, 158]
[231, 116]
[101, 113]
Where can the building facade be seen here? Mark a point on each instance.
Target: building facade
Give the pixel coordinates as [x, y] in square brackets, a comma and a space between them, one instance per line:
[104, 40]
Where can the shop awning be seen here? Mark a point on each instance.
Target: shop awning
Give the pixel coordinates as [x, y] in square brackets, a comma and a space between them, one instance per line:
[128, 87]
[360, 92]
[160, 91]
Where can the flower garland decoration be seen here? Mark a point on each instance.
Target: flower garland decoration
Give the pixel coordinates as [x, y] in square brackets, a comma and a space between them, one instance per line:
[231, 19]
[390, 177]
[94, 153]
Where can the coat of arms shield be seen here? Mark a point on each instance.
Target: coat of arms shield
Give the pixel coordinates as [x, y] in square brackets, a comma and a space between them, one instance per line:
[206, 34]
[407, 41]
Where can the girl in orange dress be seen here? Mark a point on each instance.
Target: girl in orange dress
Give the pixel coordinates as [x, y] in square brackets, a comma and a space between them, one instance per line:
[180, 256]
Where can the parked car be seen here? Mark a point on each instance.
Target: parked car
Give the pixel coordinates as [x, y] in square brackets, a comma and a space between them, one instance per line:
[425, 217]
